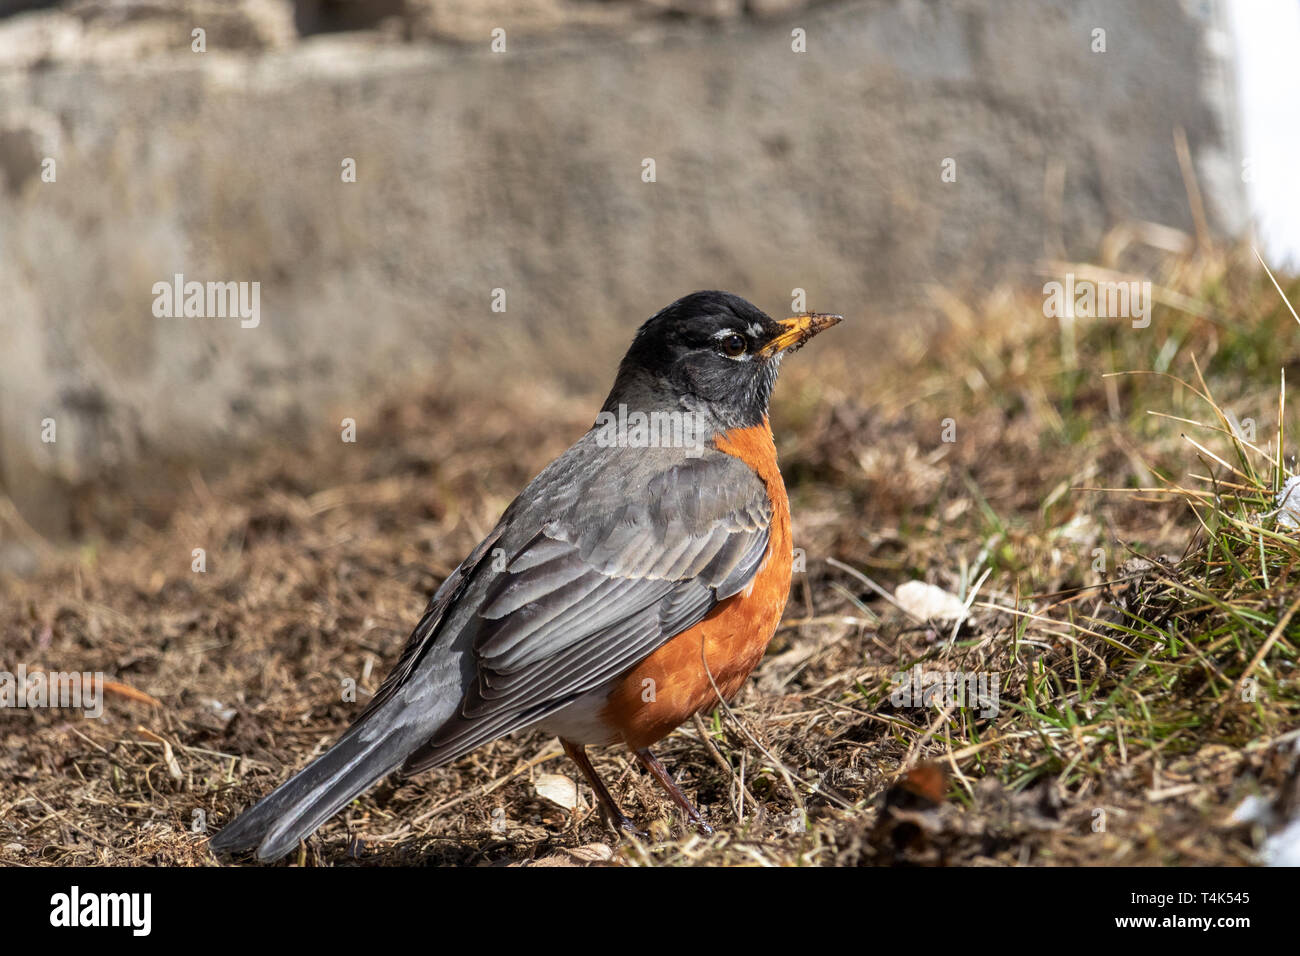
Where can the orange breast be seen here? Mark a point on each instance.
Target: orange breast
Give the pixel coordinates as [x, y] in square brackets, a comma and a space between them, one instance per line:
[672, 684]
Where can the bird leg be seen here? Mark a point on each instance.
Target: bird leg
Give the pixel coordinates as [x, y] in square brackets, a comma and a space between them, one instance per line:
[651, 763]
[616, 817]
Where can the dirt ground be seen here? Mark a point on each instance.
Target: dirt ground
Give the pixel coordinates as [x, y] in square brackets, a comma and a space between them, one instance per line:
[1120, 735]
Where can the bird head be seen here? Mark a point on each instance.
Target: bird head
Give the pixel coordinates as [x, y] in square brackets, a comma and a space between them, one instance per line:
[712, 349]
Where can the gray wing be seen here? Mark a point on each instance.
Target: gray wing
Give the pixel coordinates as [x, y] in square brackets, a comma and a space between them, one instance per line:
[601, 586]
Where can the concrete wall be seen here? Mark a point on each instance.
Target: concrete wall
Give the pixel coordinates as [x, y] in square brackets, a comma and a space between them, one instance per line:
[522, 171]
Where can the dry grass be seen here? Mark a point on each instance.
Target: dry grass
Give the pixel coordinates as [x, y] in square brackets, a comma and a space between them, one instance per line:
[1143, 638]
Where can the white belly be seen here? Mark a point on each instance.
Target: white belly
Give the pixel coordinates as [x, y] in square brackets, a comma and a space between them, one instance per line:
[581, 723]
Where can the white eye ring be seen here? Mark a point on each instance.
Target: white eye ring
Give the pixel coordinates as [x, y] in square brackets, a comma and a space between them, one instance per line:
[727, 339]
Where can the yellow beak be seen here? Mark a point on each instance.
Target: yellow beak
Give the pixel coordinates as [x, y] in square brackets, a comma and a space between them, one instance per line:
[797, 330]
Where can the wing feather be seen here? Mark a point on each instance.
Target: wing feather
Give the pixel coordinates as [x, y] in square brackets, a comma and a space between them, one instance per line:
[599, 588]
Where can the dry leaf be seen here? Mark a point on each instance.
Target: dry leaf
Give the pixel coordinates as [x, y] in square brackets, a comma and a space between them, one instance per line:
[929, 603]
[557, 788]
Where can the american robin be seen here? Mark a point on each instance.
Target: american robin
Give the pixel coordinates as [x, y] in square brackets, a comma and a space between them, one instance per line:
[635, 581]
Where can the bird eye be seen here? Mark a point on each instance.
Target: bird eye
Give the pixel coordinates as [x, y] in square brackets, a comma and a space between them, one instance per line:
[733, 346]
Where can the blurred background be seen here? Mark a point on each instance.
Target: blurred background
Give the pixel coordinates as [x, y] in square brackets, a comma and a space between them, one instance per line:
[456, 212]
[533, 178]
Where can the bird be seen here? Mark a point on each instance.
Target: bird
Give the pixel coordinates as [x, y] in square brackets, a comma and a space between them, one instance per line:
[635, 582]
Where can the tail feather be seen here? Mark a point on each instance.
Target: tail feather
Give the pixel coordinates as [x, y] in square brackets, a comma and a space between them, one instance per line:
[297, 807]
[421, 692]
